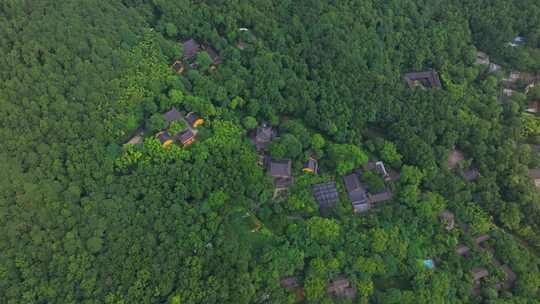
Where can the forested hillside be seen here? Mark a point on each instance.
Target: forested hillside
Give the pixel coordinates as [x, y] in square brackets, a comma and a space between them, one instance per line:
[160, 151]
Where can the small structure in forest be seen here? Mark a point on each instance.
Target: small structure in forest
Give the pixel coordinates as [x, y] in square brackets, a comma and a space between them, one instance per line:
[428, 263]
[377, 166]
[481, 238]
[311, 166]
[456, 156]
[186, 137]
[172, 115]
[535, 175]
[481, 58]
[194, 120]
[448, 219]
[136, 137]
[493, 67]
[178, 66]
[356, 193]
[340, 287]
[280, 170]
[463, 250]
[519, 40]
[245, 37]
[165, 139]
[289, 283]
[382, 196]
[479, 273]
[427, 79]
[263, 137]
[191, 48]
[510, 278]
[326, 194]
[532, 107]
[214, 55]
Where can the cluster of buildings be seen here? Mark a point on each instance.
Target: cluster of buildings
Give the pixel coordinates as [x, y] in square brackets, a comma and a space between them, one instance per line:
[279, 169]
[479, 273]
[326, 194]
[191, 48]
[186, 136]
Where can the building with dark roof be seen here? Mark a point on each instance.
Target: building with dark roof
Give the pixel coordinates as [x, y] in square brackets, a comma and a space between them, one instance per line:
[289, 283]
[194, 120]
[186, 137]
[172, 115]
[471, 174]
[383, 196]
[191, 48]
[377, 166]
[427, 79]
[448, 219]
[214, 55]
[356, 193]
[263, 136]
[481, 58]
[311, 166]
[479, 273]
[481, 238]
[326, 194]
[178, 67]
[165, 139]
[463, 250]
[280, 170]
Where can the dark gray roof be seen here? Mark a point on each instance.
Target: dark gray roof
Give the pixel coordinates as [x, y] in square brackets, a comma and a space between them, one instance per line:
[382, 196]
[462, 250]
[355, 190]
[481, 238]
[311, 164]
[172, 115]
[191, 118]
[163, 136]
[191, 48]
[326, 194]
[471, 174]
[263, 137]
[185, 135]
[479, 273]
[535, 148]
[214, 55]
[289, 282]
[280, 168]
[430, 78]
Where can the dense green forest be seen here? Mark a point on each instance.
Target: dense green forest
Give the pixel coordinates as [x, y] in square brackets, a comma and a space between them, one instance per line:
[87, 218]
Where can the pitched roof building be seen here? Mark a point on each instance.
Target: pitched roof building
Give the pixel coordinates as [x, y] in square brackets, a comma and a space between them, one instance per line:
[178, 66]
[263, 136]
[479, 273]
[326, 194]
[214, 55]
[191, 48]
[356, 192]
[280, 170]
[340, 288]
[311, 166]
[481, 238]
[172, 115]
[463, 250]
[481, 58]
[380, 197]
[165, 139]
[448, 219]
[471, 174]
[186, 137]
[454, 158]
[194, 120]
[427, 79]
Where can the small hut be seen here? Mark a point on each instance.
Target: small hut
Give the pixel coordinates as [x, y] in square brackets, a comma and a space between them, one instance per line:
[326, 194]
[172, 115]
[448, 219]
[194, 120]
[427, 79]
[311, 166]
[186, 137]
[165, 139]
